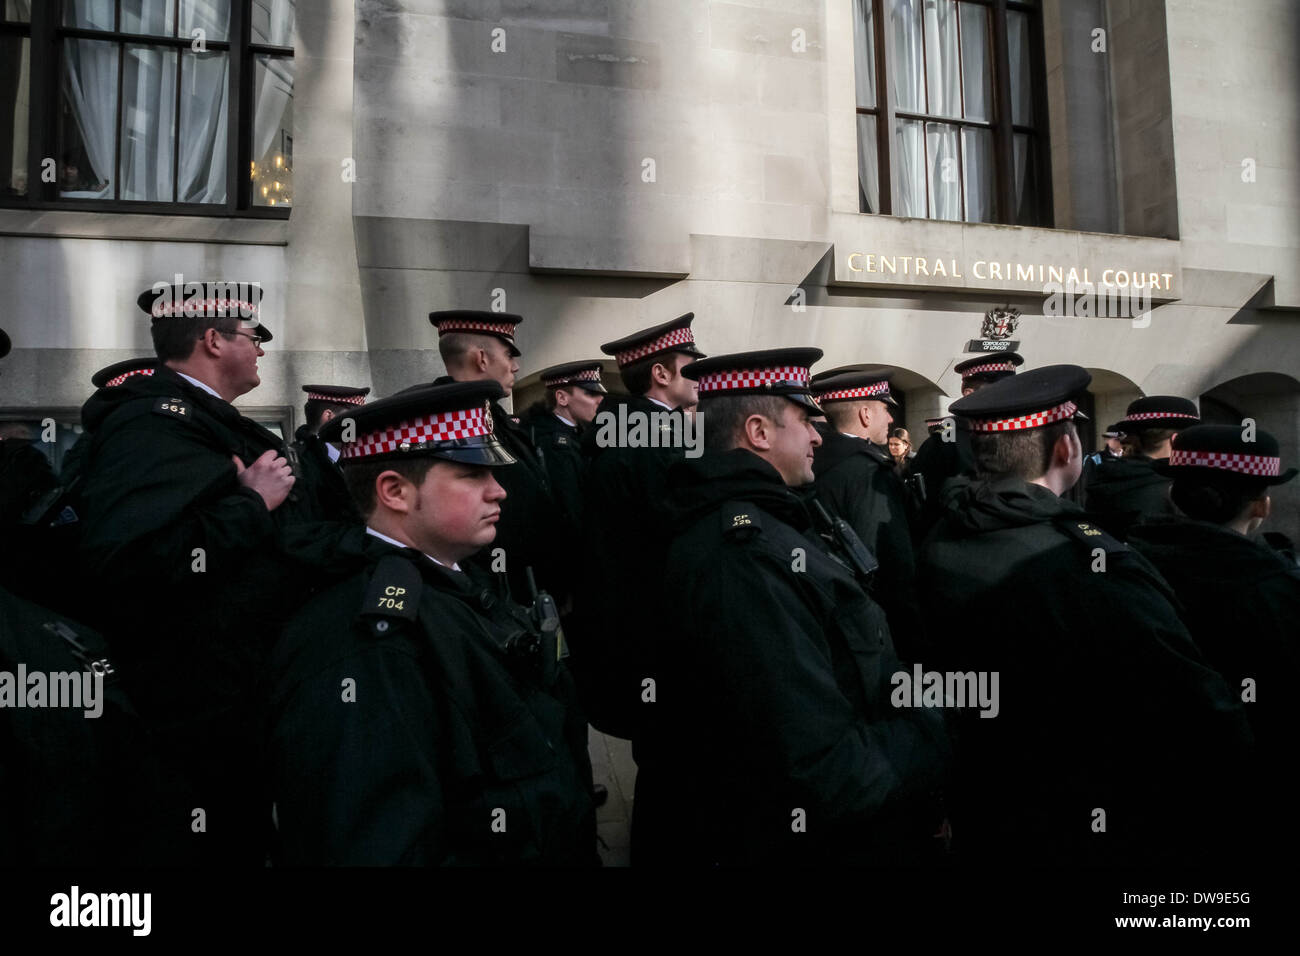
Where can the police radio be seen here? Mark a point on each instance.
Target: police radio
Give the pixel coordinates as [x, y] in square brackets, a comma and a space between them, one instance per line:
[848, 546]
[546, 645]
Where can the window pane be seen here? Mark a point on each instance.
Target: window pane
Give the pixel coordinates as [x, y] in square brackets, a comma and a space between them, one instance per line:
[273, 132]
[205, 117]
[909, 164]
[977, 175]
[272, 22]
[977, 79]
[868, 165]
[1022, 100]
[14, 110]
[148, 123]
[945, 171]
[20, 10]
[89, 14]
[210, 16]
[906, 56]
[1026, 197]
[864, 53]
[87, 119]
[154, 17]
[941, 60]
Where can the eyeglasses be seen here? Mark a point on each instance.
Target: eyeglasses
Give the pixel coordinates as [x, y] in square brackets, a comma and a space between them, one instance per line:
[257, 340]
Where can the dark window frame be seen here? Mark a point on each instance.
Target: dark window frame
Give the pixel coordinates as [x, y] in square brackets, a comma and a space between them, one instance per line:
[46, 34]
[886, 113]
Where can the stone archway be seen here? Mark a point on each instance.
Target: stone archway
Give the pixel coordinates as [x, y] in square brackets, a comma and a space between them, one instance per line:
[1111, 393]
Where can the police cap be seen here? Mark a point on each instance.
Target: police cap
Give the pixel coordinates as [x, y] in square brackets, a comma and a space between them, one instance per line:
[1158, 411]
[1032, 399]
[110, 376]
[452, 422]
[584, 375]
[866, 384]
[212, 298]
[337, 394]
[674, 336]
[1221, 451]
[782, 372]
[989, 368]
[499, 325]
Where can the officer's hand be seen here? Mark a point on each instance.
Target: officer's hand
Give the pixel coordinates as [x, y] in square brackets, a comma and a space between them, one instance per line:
[270, 476]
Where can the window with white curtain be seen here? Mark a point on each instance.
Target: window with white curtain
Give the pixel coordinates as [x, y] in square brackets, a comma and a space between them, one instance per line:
[155, 105]
[949, 109]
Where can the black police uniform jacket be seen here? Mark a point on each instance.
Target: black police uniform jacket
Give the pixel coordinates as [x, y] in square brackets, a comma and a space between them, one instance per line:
[26, 480]
[1124, 491]
[404, 733]
[324, 492]
[560, 450]
[1242, 605]
[1105, 704]
[857, 481]
[774, 689]
[531, 528]
[936, 461]
[74, 790]
[620, 597]
[191, 578]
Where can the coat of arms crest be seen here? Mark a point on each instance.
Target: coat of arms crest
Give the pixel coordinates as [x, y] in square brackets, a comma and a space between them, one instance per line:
[1000, 323]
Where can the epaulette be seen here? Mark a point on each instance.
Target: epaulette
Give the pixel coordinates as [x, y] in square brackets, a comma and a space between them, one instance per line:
[176, 407]
[1091, 535]
[394, 592]
[740, 521]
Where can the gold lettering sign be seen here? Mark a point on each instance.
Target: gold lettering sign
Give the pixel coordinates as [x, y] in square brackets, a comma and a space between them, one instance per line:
[1066, 277]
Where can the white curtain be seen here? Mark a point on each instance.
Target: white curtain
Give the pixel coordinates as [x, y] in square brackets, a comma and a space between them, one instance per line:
[1018, 55]
[1021, 214]
[863, 60]
[941, 58]
[148, 123]
[272, 22]
[205, 116]
[977, 150]
[945, 171]
[274, 94]
[907, 74]
[868, 165]
[22, 9]
[907, 70]
[90, 82]
[210, 16]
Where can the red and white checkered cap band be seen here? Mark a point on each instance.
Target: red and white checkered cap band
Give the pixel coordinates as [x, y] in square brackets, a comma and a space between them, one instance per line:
[752, 378]
[988, 367]
[165, 307]
[586, 375]
[439, 427]
[1036, 420]
[669, 340]
[1260, 465]
[866, 391]
[125, 375]
[466, 325]
[343, 399]
[1147, 416]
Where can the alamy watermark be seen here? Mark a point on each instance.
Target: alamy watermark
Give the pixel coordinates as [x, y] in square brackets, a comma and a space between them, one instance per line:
[76, 690]
[633, 428]
[960, 689]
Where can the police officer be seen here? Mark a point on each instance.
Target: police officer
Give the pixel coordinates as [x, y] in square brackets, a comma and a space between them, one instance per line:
[1241, 599]
[418, 715]
[480, 346]
[573, 393]
[317, 460]
[1124, 491]
[946, 453]
[624, 529]
[774, 684]
[857, 480]
[187, 513]
[110, 376]
[1113, 742]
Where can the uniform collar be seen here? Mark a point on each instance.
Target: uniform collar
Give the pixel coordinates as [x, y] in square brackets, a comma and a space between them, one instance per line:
[197, 384]
[397, 544]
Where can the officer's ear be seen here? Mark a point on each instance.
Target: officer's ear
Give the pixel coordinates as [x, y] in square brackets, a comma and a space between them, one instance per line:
[1261, 508]
[757, 431]
[394, 492]
[481, 360]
